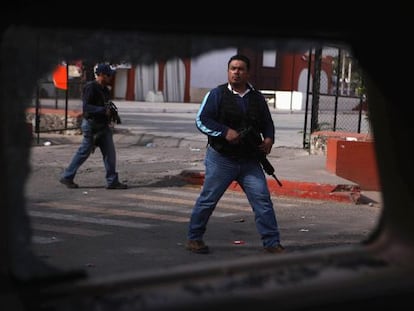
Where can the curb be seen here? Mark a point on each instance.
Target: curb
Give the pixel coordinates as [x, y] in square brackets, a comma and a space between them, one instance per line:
[297, 189]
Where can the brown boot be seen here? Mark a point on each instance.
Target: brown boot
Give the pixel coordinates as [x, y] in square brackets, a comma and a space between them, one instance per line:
[197, 246]
[274, 249]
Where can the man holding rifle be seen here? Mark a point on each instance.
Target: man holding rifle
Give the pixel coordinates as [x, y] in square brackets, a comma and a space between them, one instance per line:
[224, 115]
[98, 117]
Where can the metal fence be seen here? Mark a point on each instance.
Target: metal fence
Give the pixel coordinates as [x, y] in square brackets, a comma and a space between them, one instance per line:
[335, 97]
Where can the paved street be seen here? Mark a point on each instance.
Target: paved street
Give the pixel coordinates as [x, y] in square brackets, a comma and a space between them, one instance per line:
[144, 228]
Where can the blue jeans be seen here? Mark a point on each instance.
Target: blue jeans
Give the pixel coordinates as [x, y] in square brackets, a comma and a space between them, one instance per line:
[105, 144]
[220, 172]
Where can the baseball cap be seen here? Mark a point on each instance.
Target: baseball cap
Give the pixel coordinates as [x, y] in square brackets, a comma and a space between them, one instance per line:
[105, 69]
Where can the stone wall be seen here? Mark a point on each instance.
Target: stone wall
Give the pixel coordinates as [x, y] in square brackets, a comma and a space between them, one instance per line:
[53, 120]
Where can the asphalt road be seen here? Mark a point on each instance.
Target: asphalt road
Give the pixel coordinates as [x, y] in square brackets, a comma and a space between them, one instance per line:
[144, 227]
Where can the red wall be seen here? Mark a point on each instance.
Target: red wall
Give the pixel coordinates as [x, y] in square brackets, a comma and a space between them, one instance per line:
[355, 161]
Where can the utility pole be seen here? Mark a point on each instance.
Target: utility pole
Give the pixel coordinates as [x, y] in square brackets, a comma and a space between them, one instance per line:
[316, 89]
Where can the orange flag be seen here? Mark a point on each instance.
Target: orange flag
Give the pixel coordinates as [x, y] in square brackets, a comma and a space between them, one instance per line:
[60, 79]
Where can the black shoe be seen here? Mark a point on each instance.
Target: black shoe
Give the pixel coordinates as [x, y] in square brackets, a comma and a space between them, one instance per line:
[117, 185]
[68, 183]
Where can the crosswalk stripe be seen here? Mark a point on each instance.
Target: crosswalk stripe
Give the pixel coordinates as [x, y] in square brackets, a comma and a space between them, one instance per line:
[232, 198]
[180, 206]
[172, 201]
[100, 221]
[146, 197]
[111, 211]
[45, 240]
[70, 230]
[179, 209]
[240, 198]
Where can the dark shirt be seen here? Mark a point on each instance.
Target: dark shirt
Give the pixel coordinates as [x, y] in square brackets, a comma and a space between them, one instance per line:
[94, 97]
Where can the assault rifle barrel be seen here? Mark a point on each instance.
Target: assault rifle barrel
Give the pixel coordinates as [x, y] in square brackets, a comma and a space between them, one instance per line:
[253, 140]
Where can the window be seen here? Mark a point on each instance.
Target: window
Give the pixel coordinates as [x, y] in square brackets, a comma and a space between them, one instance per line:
[269, 58]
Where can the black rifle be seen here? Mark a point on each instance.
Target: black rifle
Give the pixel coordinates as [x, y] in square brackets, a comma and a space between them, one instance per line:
[114, 116]
[253, 140]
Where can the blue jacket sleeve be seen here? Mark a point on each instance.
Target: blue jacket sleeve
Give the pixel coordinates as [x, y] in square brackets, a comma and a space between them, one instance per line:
[208, 114]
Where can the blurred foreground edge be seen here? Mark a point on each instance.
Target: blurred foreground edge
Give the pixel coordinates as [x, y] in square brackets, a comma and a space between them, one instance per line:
[378, 273]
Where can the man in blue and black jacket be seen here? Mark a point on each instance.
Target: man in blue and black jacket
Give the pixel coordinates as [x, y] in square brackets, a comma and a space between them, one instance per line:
[224, 113]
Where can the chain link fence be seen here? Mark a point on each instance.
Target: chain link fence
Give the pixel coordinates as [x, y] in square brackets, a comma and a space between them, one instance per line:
[336, 99]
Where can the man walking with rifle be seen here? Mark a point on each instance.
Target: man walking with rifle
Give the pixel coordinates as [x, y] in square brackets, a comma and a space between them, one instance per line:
[229, 115]
[99, 114]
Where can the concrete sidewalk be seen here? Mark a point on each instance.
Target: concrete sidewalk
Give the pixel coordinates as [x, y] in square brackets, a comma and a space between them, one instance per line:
[302, 175]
